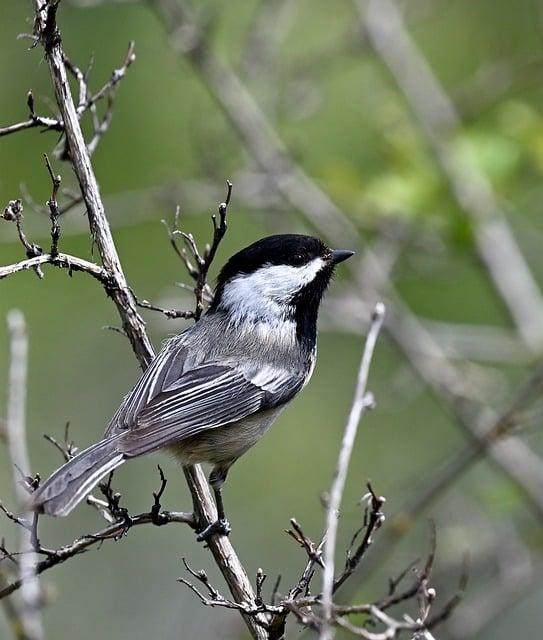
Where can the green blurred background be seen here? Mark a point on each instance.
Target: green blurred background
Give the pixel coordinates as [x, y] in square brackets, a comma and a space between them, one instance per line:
[345, 122]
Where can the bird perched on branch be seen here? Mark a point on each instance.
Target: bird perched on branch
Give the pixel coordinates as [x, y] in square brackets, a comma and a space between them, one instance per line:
[214, 390]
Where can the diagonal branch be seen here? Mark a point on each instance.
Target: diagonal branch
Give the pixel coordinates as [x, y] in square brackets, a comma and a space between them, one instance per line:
[48, 34]
[471, 189]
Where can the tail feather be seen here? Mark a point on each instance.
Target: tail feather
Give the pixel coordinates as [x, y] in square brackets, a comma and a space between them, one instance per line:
[70, 484]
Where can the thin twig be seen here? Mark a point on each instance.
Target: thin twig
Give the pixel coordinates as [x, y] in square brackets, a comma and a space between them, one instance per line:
[361, 402]
[63, 260]
[112, 532]
[14, 213]
[33, 121]
[373, 522]
[54, 211]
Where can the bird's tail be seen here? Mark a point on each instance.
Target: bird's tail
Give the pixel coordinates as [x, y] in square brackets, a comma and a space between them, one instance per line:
[62, 491]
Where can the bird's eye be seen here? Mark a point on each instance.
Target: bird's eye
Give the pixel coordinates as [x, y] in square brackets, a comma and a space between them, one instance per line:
[297, 259]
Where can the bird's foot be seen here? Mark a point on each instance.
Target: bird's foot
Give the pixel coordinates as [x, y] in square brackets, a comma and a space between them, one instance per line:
[221, 526]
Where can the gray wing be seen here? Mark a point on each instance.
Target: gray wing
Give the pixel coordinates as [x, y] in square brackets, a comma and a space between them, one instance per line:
[172, 402]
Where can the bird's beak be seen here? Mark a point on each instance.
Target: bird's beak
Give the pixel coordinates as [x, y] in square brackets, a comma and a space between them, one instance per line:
[339, 255]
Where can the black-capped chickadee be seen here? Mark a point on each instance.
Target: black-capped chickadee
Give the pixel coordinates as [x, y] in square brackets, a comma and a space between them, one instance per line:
[215, 389]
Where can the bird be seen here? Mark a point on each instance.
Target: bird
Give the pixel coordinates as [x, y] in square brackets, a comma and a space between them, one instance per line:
[214, 390]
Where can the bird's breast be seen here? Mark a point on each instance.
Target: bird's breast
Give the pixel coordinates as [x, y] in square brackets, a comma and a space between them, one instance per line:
[225, 444]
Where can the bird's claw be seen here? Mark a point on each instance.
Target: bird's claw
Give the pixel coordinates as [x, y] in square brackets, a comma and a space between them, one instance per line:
[221, 526]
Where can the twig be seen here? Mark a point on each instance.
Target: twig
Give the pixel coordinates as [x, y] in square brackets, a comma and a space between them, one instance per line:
[62, 260]
[112, 532]
[373, 522]
[116, 77]
[67, 448]
[33, 121]
[361, 402]
[54, 211]
[198, 267]
[219, 229]
[30, 617]
[14, 212]
[313, 551]
[171, 314]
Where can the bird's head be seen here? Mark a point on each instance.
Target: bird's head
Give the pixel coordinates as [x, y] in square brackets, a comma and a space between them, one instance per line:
[281, 277]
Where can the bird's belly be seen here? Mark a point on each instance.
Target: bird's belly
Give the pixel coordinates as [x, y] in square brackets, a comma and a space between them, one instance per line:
[222, 445]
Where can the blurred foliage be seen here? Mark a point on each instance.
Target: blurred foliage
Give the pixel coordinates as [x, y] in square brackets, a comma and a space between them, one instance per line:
[345, 121]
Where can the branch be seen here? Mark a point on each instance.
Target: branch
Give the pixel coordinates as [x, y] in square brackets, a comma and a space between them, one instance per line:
[114, 531]
[218, 234]
[62, 260]
[48, 35]
[233, 571]
[361, 402]
[54, 211]
[118, 518]
[198, 264]
[299, 602]
[14, 213]
[34, 121]
[525, 468]
[29, 613]
[373, 521]
[116, 77]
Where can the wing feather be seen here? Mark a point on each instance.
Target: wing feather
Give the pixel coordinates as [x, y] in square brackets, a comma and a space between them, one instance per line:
[174, 400]
[207, 397]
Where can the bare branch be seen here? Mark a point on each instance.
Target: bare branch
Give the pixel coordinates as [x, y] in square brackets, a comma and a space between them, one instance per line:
[63, 260]
[361, 402]
[33, 121]
[14, 212]
[54, 211]
[46, 31]
[114, 531]
[373, 522]
[171, 314]
[313, 551]
[197, 267]
[29, 614]
[116, 77]
[219, 229]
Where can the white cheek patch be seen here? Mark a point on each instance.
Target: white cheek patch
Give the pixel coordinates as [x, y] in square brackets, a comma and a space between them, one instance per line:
[266, 291]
